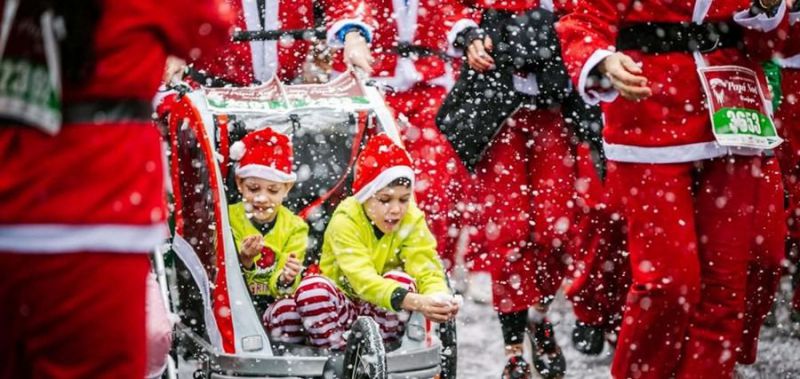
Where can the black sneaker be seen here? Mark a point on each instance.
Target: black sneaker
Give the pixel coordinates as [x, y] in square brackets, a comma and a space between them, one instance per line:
[588, 339]
[548, 360]
[517, 368]
[771, 320]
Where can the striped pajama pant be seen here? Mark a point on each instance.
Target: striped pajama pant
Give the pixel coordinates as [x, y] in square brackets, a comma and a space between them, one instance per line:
[321, 313]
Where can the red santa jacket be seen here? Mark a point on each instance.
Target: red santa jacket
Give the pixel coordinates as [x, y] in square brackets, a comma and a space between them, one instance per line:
[244, 62]
[431, 24]
[672, 125]
[97, 185]
[791, 50]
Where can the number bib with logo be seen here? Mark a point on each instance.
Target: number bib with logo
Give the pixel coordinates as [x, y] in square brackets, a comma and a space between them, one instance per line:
[739, 116]
[29, 70]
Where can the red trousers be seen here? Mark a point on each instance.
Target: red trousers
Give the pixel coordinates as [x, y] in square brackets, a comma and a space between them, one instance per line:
[441, 178]
[601, 269]
[76, 315]
[525, 186]
[788, 121]
[691, 229]
[767, 252]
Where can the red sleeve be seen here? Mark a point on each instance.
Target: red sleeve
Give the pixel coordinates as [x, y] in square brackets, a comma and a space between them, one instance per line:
[191, 27]
[588, 34]
[134, 37]
[792, 45]
[347, 12]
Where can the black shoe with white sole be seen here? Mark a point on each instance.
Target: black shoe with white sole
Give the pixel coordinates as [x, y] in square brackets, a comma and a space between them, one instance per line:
[548, 360]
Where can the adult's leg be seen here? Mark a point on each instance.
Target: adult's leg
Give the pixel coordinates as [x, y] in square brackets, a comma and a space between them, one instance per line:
[764, 270]
[551, 171]
[658, 205]
[77, 315]
[326, 311]
[725, 217]
[504, 193]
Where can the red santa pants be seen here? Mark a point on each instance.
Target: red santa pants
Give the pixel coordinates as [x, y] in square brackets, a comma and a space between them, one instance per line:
[691, 228]
[325, 313]
[767, 252]
[77, 315]
[441, 178]
[525, 188]
[601, 270]
[788, 120]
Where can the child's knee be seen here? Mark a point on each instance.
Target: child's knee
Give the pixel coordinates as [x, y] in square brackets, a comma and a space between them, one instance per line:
[404, 279]
[315, 289]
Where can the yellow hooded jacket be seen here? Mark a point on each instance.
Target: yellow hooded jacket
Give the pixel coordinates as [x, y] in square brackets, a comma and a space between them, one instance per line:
[289, 235]
[355, 259]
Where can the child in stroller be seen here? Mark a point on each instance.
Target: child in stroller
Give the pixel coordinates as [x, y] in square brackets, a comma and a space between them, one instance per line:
[378, 258]
[270, 240]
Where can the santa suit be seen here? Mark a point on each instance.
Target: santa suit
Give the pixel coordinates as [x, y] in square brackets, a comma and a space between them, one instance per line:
[243, 63]
[601, 269]
[524, 188]
[82, 207]
[419, 83]
[788, 118]
[689, 202]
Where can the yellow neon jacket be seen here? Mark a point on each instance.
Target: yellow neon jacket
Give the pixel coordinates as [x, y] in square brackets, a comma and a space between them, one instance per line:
[289, 235]
[355, 259]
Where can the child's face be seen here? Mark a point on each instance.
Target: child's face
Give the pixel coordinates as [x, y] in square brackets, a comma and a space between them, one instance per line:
[262, 197]
[387, 207]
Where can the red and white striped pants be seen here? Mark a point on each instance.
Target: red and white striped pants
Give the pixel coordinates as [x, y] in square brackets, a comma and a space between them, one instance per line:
[322, 312]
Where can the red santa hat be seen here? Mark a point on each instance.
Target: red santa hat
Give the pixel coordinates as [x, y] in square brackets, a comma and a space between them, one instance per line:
[264, 154]
[380, 163]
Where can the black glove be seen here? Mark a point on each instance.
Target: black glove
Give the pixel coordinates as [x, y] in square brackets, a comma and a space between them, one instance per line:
[467, 36]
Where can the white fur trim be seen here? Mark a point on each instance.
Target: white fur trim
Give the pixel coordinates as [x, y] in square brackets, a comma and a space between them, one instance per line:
[673, 154]
[593, 97]
[237, 150]
[762, 22]
[794, 17]
[266, 173]
[457, 28]
[790, 62]
[526, 84]
[63, 238]
[332, 38]
[383, 180]
[405, 14]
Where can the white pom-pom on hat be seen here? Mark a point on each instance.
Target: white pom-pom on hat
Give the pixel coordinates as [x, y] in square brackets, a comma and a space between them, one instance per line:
[237, 150]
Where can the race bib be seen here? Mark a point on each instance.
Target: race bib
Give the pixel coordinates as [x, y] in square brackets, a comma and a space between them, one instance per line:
[739, 116]
[30, 90]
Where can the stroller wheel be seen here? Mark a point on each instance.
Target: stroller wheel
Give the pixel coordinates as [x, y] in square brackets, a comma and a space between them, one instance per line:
[364, 356]
[447, 334]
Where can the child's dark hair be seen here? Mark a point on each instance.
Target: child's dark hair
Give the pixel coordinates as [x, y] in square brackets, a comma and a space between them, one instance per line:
[401, 181]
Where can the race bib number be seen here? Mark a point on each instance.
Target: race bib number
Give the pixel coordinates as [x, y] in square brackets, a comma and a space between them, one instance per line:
[738, 111]
[30, 80]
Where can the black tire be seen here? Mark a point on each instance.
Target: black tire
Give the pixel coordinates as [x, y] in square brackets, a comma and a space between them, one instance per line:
[447, 334]
[365, 356]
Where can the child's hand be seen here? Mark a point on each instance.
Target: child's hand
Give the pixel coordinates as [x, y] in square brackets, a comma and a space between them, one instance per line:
[433, 307]
[251, 247]
[290, 270]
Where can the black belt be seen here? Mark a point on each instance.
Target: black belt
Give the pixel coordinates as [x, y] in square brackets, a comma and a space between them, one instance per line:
[106, 111]
[274, 35]
[655, 38]
[98, 112]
